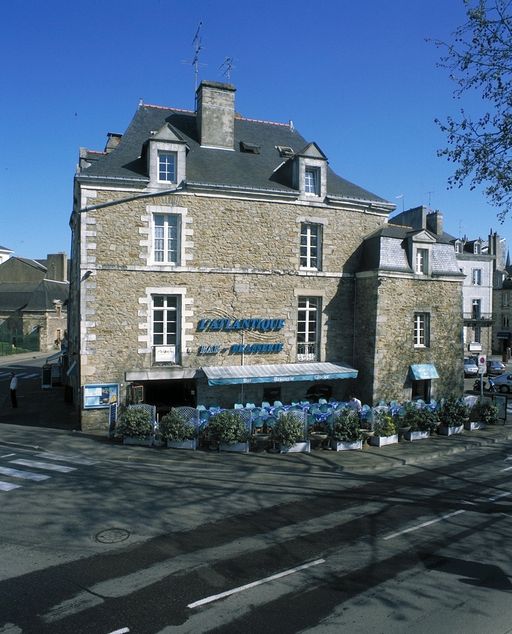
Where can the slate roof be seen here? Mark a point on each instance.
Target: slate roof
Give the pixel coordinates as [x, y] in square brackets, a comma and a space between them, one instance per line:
[32, 296]
[212, 167]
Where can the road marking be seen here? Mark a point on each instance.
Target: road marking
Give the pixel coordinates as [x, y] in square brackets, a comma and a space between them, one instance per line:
[25, 475]
[123, 630]
[67, 458]
[279, 575]
[507, 469]
[43, 465]
[415, 528]
[501, 495]
[8, 455]
[8, 486]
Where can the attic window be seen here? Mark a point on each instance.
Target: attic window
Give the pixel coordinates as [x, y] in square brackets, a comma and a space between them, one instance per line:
[250, 148]
[284, 150]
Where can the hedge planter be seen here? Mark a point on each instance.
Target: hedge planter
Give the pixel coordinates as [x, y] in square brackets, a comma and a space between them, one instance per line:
[298, 447]
[474, 425]
[345, 445]
[182, 444]
[142, 442]
[416, 435]
[448, 430]
[236, 447]
[381, 441]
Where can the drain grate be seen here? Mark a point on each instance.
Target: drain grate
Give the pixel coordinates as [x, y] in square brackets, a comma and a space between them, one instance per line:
[112, 536]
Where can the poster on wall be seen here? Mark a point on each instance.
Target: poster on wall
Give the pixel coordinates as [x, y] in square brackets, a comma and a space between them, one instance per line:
[100, 395]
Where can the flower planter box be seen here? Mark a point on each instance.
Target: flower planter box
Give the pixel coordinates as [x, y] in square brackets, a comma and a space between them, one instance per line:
[448, 430]
[236, 447]
[380, 441]
[346, 445]
[474, 425]
[298, 447]
[142, 442]
[188, 443]
[416, 435]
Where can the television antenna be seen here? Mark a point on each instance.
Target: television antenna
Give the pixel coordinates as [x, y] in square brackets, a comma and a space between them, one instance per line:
[198, 47]
[227, 67]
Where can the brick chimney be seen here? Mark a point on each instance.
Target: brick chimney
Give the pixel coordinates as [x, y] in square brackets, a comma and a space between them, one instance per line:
[435, 222]
[215, 104]
[57, 267]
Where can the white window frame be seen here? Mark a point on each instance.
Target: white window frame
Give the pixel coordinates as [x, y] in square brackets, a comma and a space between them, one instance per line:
[421, 330]
[422, 261]
[309, 310]
[166, 237]
[310, 246]
[163, 156]
[312, 177]
[476, 277]
[180, 213]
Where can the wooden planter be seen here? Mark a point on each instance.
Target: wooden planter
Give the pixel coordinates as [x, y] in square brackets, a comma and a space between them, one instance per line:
[449, 430]
[381, 441]
[298, 447]
[474, 425]
[188, 443]
[416, 435]
[146, 441]
[346, 445]
[236, 447]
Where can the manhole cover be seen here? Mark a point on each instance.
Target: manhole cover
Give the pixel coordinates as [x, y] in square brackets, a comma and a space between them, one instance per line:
[112, 536]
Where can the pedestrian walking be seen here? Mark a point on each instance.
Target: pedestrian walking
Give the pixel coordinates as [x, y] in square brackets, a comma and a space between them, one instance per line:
[13, 386]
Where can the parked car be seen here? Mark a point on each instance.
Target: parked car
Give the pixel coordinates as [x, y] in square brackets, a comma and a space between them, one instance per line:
[494, 368]
[470, 367]
[503, 382]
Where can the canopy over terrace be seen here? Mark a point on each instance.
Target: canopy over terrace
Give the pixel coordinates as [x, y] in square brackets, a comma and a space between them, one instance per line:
[279, 373]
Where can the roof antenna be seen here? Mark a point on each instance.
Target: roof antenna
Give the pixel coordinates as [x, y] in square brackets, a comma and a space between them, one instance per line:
[197, 49]
[228, 66]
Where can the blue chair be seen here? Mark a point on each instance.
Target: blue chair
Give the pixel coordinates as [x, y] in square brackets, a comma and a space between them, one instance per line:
[250, 406]
[322, 401]
[278, 404]
[265, 404]
[238, 406]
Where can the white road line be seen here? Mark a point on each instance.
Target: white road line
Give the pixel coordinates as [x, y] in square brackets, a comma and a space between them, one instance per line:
[43, 465]
[415, 528]
[507, 469]
[501, 495]
[8, 455]
[24, 475]
[216, 597]
[7, 486]
[123, 630]
[66, 458]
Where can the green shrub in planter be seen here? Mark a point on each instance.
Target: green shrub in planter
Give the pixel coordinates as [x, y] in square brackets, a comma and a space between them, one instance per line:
[452, 412]
[288, 430]
[419, 418]
[228, 427]
[174, 426]
[383, 424]
[346, 426]
[134, 423]
[485, 412]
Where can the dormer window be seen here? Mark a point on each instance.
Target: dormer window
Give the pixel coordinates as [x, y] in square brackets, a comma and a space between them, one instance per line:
[421, 261]
[167, 167]
[477, 248]
[458, 246]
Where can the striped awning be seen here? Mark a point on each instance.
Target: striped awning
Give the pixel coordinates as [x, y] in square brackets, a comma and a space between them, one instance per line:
[280, 373]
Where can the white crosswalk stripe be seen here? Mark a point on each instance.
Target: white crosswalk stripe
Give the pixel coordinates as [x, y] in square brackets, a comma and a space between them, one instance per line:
[8, 486]
[75, 459]
[24, 475]
[43, 465]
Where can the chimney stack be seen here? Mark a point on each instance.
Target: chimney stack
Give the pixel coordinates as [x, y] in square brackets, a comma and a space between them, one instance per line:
[435, 222]
[215, 104]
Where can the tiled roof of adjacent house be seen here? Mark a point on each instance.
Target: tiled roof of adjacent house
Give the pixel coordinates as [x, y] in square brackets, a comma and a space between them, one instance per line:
[236, 169]
[32, 296]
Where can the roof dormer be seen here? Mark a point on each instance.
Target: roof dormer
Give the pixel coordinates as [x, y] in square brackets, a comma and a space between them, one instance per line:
[166, 158]
[420, 252]
[310, 173]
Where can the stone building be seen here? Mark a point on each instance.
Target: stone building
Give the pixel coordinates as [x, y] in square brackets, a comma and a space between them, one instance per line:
[33, 303]
[218, 259]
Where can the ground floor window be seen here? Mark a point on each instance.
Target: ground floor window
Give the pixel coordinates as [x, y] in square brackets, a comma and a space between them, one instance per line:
[308, 328]
[165, 319]
[421, 390]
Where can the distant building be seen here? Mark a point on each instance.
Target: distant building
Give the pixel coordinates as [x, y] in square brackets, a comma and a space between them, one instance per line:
[33, 303]
[5, 254]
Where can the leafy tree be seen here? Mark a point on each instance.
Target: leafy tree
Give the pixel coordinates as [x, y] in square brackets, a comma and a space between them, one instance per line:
[480, 59]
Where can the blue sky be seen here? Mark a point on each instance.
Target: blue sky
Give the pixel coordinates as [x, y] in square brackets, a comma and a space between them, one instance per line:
[358, 78]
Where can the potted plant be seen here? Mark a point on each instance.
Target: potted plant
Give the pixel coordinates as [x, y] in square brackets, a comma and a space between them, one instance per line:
[177, 432]
[346, 431]
[135, 426]
[289, 433]
[452, 415]
[483, 413]
[385, 430]
[419, 422]
[230, 431]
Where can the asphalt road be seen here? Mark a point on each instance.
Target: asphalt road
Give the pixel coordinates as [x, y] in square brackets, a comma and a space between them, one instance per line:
[128, 541]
